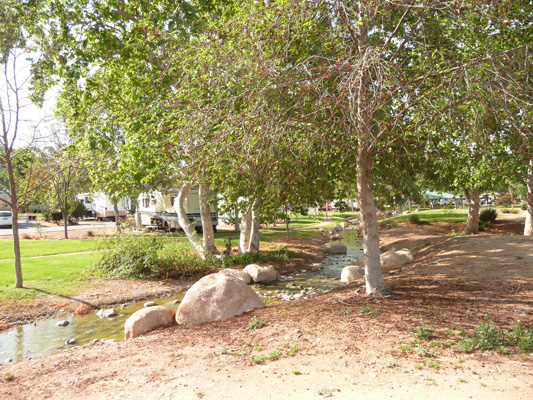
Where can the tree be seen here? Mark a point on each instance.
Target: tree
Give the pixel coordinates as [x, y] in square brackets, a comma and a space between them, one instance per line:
[69, 179]
[17, 137]
[357, 72]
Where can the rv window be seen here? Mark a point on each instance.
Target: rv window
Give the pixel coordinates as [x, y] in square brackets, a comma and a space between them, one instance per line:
[146, 202]
[172, 200]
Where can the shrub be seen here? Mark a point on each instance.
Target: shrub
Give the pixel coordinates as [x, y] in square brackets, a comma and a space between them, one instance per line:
[57, 216]
[505, 200]
[523, 206]
[509, 211]
[415, 219]
[78, 210]
[481, 225]
[129, 256]
[488, 215]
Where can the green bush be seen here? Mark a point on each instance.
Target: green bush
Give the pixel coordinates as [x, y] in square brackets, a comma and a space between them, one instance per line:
[126, 255]
[78, 210]
[481, 225]
[523, 206]
[488, 215]
[509, 211]
[415, 219]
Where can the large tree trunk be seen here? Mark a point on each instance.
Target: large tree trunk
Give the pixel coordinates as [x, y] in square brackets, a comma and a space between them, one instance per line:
[375, 284]
[207, 222]
[184, 221]
[472, 196]
[246, 226]
[253, 244]
[528, 228]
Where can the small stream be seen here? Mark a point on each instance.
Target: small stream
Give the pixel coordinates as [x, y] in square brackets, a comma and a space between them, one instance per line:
[26, 342]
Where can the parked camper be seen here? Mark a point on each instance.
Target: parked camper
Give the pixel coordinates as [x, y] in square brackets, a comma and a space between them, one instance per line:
[99, 206]
[158, 210]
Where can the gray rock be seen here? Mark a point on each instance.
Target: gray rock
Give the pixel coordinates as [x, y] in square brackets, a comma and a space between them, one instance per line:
[70, 341]
[146, 319]
[107, 313]
[338, 228]
[261, 274]
[63, 323]
[150, 304]
[335, 248]
[352, 273]
[242, 275]
[216, 297]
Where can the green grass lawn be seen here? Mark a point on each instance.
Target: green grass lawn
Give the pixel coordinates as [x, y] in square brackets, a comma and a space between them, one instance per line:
[58, 275]
[440, 215]
[32, 248]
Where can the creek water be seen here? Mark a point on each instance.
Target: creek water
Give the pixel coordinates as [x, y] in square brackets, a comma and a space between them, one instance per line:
[25, 342]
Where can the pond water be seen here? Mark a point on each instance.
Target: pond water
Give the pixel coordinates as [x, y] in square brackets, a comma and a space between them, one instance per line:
[25, 342]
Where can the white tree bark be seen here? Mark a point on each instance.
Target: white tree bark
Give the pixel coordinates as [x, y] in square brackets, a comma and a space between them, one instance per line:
[472, 196]
[207, 224]
[528, 228]
[253, 244]
[184, 221]
[246, 226]
[375, 284]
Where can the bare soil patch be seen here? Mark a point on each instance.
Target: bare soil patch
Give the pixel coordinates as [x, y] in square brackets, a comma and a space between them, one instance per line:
[328, 347]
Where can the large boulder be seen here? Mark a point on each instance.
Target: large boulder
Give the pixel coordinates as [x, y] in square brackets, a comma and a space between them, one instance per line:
[404, 255]
[335, 248]
[148, 318]
[236, 273]
[216, 297]
[261, 274]
[352, 273]
[338, 228]
[390, 261]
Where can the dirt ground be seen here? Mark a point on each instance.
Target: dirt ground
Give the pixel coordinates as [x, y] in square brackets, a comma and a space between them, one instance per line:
[328, 347]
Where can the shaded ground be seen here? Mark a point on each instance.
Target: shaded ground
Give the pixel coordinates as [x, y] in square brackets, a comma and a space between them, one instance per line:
[328, 346]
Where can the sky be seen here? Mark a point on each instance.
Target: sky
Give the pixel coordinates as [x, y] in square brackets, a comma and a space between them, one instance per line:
[34, 122]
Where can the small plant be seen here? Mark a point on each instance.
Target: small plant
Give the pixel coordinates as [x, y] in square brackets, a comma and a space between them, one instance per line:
[523, 206]
[227, 245]
[296, 372]
[255, 323]
[431, 381]
[433, 364]
[274, 355]
[223, 349]
[488, 215]
[258, 347]
[200, 395]
[368, 311]
[39, 228]
[509, 211]
[90, 233]
[258, 359]
[343, 312]
[423, 332]
[462, 380]
[455, 233]
[406, 348]
[292, 351]
[8, 376]
[418, 366]
[324, 391]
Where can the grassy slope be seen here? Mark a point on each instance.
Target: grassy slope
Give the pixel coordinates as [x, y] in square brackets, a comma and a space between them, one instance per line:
[440, 215]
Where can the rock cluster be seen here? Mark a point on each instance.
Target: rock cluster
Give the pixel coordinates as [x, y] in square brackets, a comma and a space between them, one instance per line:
[390, 261]
[214, 297]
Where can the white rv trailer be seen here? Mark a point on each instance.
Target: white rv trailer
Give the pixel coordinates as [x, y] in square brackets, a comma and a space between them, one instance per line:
[158, 210]
[100, 207]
